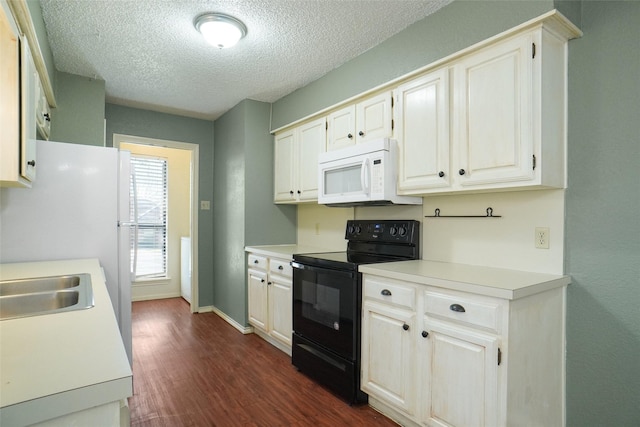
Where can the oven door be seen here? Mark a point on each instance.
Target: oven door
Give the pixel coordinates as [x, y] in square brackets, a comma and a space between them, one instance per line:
[325, 307]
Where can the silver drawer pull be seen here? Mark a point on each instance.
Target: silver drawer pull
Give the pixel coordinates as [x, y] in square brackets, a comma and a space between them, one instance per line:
[386, 292]
[457, 307]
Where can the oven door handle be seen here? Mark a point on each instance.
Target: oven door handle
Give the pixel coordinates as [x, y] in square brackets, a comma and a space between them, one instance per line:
[299, 266]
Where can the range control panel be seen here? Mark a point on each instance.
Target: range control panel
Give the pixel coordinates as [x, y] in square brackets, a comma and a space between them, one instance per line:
[390, 231]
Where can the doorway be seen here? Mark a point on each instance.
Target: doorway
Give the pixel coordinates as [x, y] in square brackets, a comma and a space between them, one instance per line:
[182, 226]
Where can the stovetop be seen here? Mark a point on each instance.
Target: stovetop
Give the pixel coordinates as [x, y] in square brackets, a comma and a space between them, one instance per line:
[343, 260]
[370, 242]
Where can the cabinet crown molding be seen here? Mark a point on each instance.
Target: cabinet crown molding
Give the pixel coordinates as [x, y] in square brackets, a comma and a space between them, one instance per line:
[553, 20]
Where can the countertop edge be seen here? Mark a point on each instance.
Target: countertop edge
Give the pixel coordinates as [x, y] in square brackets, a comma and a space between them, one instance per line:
[398, 271]
[50, 407]
[286, 250]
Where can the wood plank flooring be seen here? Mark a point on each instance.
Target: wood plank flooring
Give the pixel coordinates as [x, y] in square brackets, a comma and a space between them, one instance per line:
[197, 370]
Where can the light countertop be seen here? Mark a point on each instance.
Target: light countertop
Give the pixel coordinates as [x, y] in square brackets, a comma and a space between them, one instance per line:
[495, 282]
[52, 365]
[285, 251]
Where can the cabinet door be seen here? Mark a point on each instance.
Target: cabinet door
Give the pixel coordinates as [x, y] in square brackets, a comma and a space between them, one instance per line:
[373, 118]
[280, 309]
[29, 99]
[342, 128]
[422, 128]
[284, 166]
[460, 376]
[312, 141]
[258, 303]
[10, 99]
[494, 105]
[43, 113]
[388, 355]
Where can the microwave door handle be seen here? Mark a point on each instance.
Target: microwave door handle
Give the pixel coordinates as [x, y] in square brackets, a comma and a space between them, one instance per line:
[364, 176]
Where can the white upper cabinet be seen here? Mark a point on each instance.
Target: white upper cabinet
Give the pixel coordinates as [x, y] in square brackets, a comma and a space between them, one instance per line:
[284, 165]
[296, 162]
[341, 128]
[422, 128]
[30, 93]
[495, 96]
[18, 83]
[492, 119]
[361, 122]
[43, 112]
[313, 140]
[10, 99]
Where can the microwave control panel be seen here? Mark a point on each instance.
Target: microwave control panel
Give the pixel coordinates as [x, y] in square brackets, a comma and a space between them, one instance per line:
[377, 176]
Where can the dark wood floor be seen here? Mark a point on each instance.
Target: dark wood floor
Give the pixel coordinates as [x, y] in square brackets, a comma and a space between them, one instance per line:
[197, 370]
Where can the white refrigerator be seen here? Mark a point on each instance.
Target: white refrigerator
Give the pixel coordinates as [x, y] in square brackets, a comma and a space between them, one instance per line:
[78, 207]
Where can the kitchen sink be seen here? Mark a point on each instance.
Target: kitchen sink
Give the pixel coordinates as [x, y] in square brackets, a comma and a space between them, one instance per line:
[45, 295]
[38, 284]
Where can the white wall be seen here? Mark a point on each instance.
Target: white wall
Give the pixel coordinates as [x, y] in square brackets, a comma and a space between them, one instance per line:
[323, 227]
[506, 242]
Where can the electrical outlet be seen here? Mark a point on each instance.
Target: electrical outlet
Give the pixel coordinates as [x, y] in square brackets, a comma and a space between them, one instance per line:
[542, 238]
[205, 205]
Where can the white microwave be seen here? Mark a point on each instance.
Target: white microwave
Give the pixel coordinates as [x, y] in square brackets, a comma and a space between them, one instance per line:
[364, 174]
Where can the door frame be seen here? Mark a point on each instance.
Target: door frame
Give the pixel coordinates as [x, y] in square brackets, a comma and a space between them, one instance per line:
[195, 177]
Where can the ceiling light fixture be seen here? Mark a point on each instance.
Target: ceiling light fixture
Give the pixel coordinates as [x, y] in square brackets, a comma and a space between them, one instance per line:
[220, 30]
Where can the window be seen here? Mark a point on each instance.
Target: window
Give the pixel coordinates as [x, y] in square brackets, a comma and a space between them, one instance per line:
[149, 210]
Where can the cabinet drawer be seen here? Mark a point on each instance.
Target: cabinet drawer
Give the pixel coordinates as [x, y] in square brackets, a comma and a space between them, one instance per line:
[280, 267]
[389, 291]
[257, 261]
[465, 309]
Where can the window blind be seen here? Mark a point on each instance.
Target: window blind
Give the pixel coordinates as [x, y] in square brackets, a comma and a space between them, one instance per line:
[149, 210]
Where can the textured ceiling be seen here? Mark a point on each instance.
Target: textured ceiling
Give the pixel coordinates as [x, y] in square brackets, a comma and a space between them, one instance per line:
[151, 56]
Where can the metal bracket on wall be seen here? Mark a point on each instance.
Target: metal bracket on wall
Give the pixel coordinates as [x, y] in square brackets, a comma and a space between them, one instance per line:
[488, 215]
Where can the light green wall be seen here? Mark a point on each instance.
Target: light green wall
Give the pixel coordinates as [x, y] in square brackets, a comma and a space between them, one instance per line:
[150, 124]
[79, 115]
[243, 202]
[41, 33]
[602, 218]
[458, 25]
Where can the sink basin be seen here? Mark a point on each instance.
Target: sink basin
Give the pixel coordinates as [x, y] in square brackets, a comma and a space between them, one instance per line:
[45, 295]
[38, 284]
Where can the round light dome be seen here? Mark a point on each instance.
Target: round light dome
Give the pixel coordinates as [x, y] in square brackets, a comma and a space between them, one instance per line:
[221, 31]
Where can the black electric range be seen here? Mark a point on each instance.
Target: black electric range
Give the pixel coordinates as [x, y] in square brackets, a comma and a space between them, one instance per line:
[327, 301]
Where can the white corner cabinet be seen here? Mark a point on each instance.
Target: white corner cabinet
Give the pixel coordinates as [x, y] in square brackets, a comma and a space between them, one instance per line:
[24, 107]
[296, 162]
[17, 109]
[270, 299]
[492, 119]
[356, 123]
[436, 355]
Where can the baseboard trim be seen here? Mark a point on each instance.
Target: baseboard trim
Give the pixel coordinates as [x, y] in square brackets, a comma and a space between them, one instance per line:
[277, 344]
[243, 329]
[155, 296]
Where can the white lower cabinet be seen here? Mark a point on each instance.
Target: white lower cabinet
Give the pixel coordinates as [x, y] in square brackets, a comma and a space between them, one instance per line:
[437, 357]
[389, 354]
[460, 375]
[270, 299]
